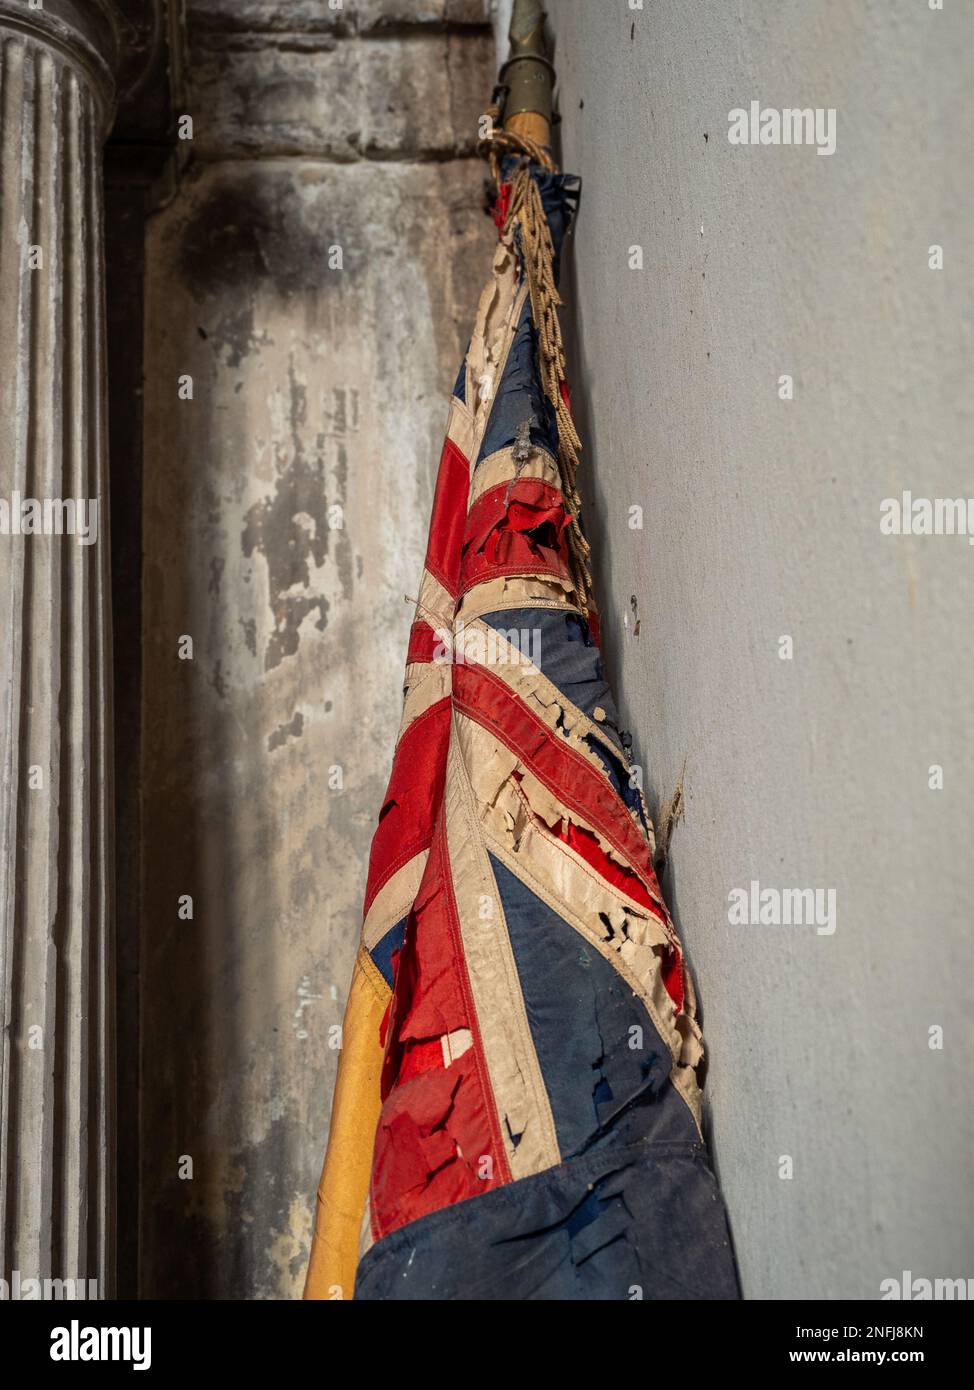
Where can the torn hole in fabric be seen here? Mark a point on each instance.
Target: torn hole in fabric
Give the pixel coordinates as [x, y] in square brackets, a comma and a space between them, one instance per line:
[435, 1141]
[526, 523]
[643, 942]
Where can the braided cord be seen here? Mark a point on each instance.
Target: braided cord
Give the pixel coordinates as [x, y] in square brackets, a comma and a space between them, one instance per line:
[526, 214]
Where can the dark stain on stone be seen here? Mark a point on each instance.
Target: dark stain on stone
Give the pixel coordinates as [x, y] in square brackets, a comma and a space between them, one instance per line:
[212, 504]
[339, 417]
[293, 729]
[290, 529]
[249, 626]
[343, 548]
[289, 615]
[224, 1220]
[299, 408]
[247, 229]
[343, 420]
[217, 566]
[344, 415]
[217, 681]
[341, 472]
[235, 334]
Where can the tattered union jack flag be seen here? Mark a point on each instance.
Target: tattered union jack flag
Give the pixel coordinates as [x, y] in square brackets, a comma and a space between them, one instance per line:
[517, 1112]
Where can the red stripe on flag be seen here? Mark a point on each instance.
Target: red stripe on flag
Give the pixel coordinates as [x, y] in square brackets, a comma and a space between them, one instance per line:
[584, 843]
[449, 517]
[515, 528]
[424, 643]
[412, 798]
[438, 1138]
[483, 696]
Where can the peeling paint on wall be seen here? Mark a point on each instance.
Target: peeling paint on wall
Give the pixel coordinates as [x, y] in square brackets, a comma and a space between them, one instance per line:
[285, 514]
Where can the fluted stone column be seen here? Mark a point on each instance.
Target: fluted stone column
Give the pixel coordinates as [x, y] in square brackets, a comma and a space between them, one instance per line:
[56, 1101]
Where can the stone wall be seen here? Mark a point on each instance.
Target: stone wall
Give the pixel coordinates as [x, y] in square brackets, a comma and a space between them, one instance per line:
[314, 274]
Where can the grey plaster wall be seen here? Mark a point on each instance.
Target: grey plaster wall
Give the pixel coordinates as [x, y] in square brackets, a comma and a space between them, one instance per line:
[315, 274]
[762, 520]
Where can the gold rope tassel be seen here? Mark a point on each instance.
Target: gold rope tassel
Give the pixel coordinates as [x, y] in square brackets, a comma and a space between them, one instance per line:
[526, 211]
